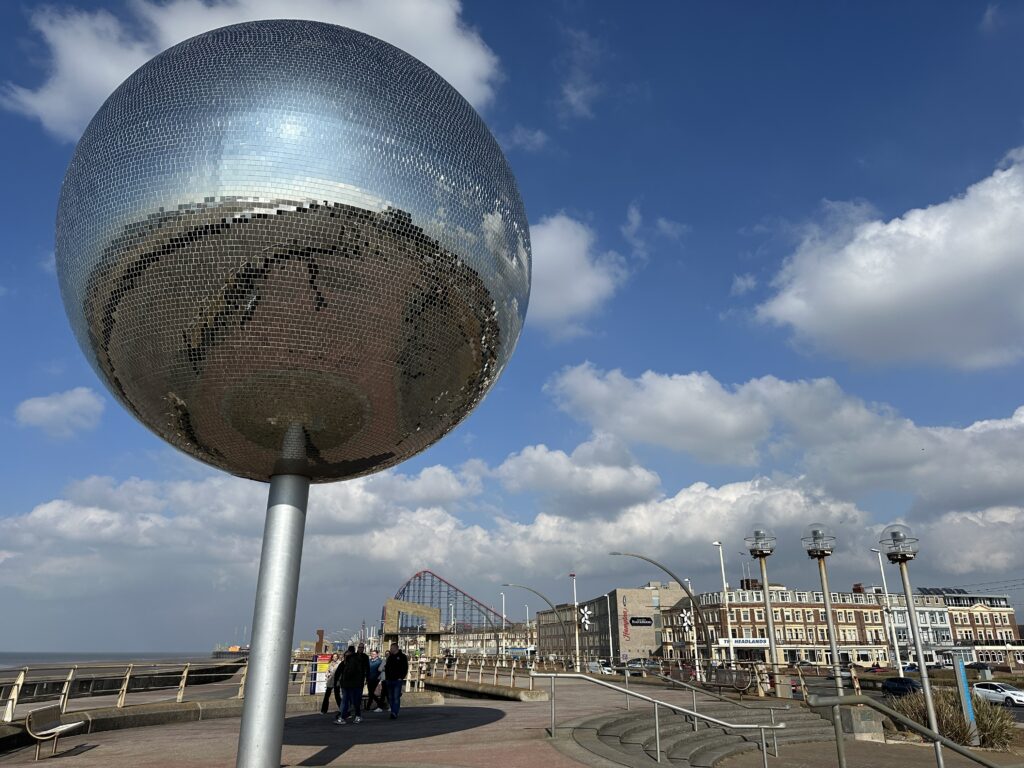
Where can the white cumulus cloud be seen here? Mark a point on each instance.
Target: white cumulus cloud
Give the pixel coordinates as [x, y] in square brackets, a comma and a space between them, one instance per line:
[572, 279]
[61, 414]
[92, 52]
[937, 285]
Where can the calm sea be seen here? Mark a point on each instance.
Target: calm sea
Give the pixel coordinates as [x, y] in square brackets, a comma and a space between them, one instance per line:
[32, 659]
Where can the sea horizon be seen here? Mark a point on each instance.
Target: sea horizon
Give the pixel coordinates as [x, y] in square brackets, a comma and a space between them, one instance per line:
[17, 659]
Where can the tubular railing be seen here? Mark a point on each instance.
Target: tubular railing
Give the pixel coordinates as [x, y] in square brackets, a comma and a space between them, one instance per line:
[693, 715]
[75, 681]
[845, 701]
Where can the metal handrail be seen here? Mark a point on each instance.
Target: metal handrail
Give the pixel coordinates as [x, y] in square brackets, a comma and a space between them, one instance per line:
[830, 701]
[706, 692]
[762, 727]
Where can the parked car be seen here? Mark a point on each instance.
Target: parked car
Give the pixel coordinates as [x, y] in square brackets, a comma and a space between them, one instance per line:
[1000, 693]
[877, 668]
[900, 686]
[977, 665]
[911, 668]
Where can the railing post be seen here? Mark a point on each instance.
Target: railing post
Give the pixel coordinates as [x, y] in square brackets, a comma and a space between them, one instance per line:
[124, 686]
[304, 680]
[764, 749]
[181, 683]
[657, 733]
[512, 676]
[495, 671]
[626, 670]
[552, 707]
[12, 697]
[241, 683]
[65, 692]
[694, 692]
[775, 736]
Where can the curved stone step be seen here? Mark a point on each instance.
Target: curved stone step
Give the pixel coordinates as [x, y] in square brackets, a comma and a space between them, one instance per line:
[683, 748]
[590, 741]
[707, 756]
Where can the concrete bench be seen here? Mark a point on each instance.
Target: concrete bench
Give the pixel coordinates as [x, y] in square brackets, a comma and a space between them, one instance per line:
[45, 723]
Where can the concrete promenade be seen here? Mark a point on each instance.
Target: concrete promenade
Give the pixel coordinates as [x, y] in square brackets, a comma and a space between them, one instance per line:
[459, 734]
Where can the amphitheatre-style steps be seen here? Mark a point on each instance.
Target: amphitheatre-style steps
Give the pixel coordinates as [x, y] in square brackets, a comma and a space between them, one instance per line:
[622, 738]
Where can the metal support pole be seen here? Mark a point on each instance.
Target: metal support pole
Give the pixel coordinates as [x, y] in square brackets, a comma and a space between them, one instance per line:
[608, 607]
[576, 621]
[262, 730]
[552, 707]
[124, 686]
[65, 692]
[657, 733]
[626, 671]
[887, 615]
[772, 650]
[933, 722]
[182, 683]
[837, 720]
[725, 605]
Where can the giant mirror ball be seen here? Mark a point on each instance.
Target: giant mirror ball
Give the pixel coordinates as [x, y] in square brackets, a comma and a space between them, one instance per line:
[288, 247]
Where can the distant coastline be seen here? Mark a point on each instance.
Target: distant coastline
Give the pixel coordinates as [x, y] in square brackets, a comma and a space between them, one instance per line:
[15, 660]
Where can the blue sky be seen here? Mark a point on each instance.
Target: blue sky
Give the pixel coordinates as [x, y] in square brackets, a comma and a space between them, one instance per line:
[778, 272]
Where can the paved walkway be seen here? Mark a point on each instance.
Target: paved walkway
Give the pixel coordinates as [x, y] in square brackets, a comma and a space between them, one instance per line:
[464, 733]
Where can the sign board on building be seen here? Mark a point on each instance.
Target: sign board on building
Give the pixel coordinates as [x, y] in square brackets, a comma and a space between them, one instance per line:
[641, 621]
[744, 642]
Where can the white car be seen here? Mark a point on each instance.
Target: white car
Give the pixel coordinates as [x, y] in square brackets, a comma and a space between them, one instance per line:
[1000, 693]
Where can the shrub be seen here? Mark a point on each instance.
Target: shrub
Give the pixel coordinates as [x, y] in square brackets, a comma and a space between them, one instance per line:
[995, 724]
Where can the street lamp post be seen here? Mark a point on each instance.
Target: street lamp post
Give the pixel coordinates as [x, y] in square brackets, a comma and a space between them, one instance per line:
[685, 583]
[608, 608]
[761, 544]
[725, 605]
[819, 543]
[451, 618]
[504, 644]
[900, 547]
[558, 617]
[576, 619]
[890, 630]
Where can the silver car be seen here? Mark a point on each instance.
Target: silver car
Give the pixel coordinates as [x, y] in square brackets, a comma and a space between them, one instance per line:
[1000, 693]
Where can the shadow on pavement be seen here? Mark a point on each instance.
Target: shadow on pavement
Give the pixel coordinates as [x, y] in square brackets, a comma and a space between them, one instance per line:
[378, 728]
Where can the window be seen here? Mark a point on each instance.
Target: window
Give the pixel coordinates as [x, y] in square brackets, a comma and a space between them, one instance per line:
[798, 615]
[788, 614]
[775, 614]
[745, 614]
[821, 617]
[984, 618]
[759, 615]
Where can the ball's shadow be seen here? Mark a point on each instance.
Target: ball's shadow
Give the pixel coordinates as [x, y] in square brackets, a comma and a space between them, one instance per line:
[378, 728]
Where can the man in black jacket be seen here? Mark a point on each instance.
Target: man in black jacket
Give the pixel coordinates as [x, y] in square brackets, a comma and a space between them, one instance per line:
[352, 676]
[396, 669]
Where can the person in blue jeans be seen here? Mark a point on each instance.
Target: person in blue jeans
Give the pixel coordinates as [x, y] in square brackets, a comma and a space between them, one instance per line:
[375, 703]
[396, 669]
[352, 677]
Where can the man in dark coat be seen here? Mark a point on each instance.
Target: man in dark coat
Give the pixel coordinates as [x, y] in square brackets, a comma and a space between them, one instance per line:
[352, 675]
[396, 669]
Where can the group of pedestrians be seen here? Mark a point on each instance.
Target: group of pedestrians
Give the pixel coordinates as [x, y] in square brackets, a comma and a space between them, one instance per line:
[383, 678]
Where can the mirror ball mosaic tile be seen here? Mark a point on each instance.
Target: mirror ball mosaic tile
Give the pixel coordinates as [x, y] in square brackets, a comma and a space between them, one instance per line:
[289, 247]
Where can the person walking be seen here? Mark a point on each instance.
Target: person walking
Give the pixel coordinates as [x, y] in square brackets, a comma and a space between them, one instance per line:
[372, 681]
[332, 667]
[353, 675]
[396, 668]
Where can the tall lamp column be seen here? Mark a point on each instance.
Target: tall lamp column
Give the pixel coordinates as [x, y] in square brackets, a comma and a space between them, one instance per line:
[890, 630]
[819, 543]
[576, 620]
[900, 547]
[761, 544]
[725, 605]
